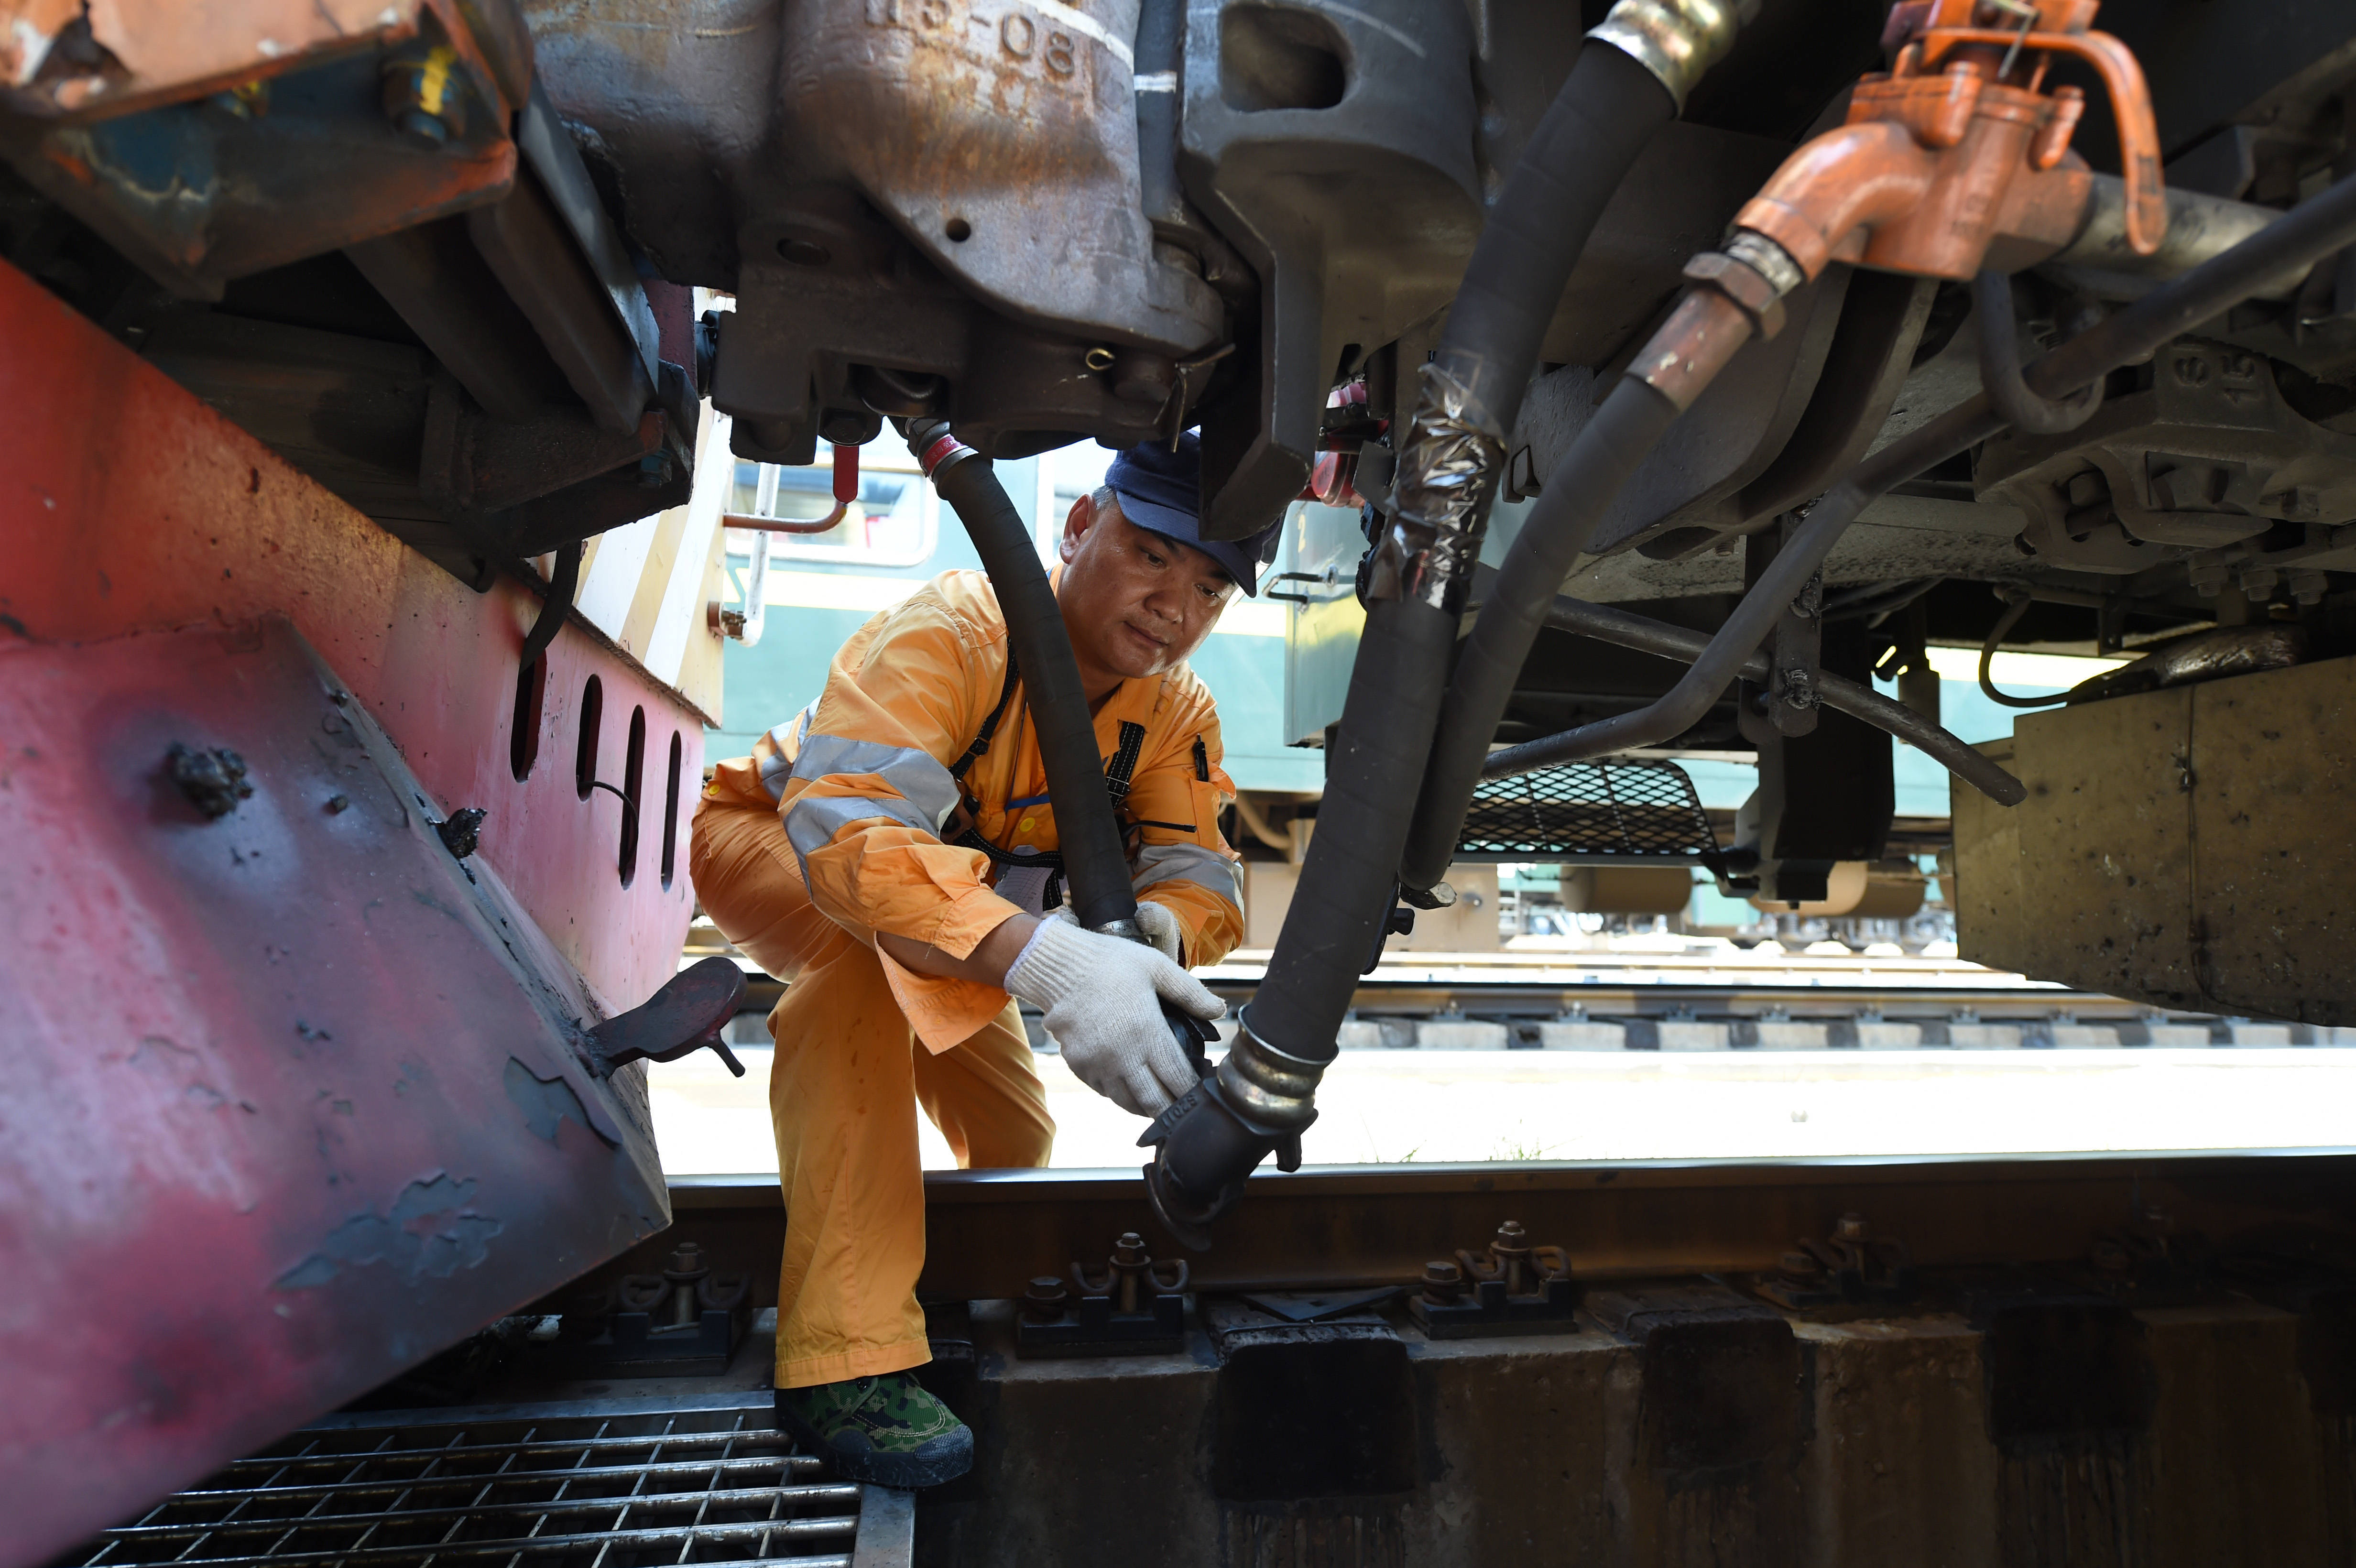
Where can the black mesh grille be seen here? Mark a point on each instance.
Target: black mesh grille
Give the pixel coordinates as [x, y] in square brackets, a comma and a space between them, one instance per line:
[540, 1490]
[1633, 811]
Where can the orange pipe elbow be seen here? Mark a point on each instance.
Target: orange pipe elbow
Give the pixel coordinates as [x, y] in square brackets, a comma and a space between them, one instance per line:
[1831, 192]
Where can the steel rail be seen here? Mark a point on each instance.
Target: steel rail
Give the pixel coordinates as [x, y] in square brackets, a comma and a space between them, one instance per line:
[988, 1233]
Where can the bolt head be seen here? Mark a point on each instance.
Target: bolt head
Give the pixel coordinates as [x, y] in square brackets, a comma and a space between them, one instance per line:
[1850, 1228]
[1800, 1264]
[1045, 1299]
[1440, 1273]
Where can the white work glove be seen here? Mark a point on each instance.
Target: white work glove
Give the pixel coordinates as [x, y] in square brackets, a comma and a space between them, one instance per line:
[1160, 926]
[1102, 997]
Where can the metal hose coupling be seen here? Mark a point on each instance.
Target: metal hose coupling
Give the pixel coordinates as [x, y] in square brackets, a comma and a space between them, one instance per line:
[1736, 295]
[1257, 1103]
[936, 449]
[1677, 40]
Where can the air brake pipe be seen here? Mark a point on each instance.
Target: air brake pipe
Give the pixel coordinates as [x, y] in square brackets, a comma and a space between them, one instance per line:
[1954, 154]
[846, 491]
[1095, 865]
[1629, 79]
[1955, 151]
[2315, 228]
[1606, 624]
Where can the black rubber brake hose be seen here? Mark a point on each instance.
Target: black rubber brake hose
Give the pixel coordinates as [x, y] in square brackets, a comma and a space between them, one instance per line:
[1096, 866]
[1582, 486]
[1607, 111]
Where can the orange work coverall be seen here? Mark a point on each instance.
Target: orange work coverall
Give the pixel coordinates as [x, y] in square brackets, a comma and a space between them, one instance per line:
[833, 830]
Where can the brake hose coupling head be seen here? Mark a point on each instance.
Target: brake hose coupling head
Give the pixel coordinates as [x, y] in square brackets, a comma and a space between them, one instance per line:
[1677, 40]
[1259, 1103]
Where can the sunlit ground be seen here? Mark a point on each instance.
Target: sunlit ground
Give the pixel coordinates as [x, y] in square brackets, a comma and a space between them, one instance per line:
[1392, 1105]
[1388, 1106]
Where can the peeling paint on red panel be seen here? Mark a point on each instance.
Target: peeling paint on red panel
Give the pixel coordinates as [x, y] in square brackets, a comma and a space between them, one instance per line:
[262, 1132]
[126, 504]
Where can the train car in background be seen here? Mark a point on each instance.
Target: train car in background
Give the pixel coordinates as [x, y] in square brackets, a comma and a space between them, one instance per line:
[1277, 665]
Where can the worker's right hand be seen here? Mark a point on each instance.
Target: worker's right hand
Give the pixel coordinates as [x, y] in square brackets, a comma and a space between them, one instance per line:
[1102, 997]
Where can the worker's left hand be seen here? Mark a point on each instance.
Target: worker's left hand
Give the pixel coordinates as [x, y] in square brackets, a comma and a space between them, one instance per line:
[1160, 928]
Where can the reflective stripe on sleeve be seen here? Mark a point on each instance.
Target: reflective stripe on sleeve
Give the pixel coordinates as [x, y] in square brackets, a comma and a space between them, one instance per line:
[927, 795]
[812, 821]
[775, 769]
[1187, 863]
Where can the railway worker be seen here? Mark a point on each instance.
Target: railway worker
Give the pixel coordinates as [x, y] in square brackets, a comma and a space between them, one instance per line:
[889, 853]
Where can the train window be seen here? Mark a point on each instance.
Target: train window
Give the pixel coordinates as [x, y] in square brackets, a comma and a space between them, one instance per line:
[634, 777]
[671, 814]
[584, 753]
[895, 521]
[523, 736]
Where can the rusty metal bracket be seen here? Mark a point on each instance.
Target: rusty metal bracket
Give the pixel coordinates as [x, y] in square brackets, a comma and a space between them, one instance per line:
[1853, 1264]
[684, 1017]
[1513, 1289]
[1133, 1305]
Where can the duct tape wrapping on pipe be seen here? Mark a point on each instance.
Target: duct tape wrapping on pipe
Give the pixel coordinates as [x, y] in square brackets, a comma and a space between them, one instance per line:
[1452, 458]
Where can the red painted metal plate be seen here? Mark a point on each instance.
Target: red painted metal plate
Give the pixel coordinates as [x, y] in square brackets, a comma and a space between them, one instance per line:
[294, 1100]
[126, 504]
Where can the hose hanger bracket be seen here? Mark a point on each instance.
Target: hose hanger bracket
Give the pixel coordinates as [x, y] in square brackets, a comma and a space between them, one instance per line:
[1452, 460]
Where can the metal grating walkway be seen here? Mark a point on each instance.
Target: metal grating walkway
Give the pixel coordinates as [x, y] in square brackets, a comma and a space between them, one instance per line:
[598, 1483]
[1589, 812]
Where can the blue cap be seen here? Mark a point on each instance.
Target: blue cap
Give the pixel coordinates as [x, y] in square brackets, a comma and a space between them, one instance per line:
[1161, 490]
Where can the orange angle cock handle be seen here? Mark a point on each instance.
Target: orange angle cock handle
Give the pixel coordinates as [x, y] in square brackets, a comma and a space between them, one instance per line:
[1957, 159]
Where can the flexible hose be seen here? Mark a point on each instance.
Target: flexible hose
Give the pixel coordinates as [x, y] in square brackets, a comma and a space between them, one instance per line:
[1645, 634]
[1591, 135]
[1554, 535]
[1088, 835]
[1605, 114]
[2309, 232]
[1607, 111]
[2021, 408]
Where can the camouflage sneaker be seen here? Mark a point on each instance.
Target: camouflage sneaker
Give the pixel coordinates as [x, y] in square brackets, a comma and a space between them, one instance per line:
[886, 1430]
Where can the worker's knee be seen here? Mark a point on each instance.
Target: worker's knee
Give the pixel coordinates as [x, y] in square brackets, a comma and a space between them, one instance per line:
[743, 882]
